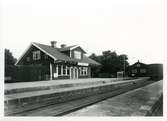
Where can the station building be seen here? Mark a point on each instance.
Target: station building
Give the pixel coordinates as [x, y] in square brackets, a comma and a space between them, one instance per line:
[65, 62]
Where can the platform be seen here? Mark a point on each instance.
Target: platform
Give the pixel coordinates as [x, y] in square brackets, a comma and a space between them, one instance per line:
[11, 88]
[66, 99]
[139, 102]
[36, 89]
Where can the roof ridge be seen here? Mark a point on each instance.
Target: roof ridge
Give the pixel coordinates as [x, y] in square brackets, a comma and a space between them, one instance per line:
[56, 47]
[40, 43]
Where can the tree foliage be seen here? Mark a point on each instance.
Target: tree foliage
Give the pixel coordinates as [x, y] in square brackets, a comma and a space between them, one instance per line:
[111, 63]
[9, 59]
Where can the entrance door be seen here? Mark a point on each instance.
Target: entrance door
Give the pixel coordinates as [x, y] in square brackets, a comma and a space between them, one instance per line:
[74, 73]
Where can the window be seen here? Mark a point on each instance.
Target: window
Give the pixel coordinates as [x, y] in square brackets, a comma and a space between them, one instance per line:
[77, 54]
[28, 59]
[83, 71]
[134, 71]
[143, 70]
[64, 70]
[80, 71]
[59, 70]
[86, 71]
[36, 55]
[138, 65]
[46, 56]
[68, 70]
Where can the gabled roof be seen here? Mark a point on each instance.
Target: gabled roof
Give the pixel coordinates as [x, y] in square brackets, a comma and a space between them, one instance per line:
[56, 54]
[138, 62]
[70, 48]
[53, 52]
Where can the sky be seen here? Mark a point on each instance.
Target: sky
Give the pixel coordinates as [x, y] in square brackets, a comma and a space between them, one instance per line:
[134, 27]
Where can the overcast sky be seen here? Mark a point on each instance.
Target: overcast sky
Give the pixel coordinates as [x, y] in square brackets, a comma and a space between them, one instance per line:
[137, 28]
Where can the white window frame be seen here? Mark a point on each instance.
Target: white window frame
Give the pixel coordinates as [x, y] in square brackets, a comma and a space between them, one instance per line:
[36, 55]
[86, 69]
[83, 71]
[77, 55]
[80, 71]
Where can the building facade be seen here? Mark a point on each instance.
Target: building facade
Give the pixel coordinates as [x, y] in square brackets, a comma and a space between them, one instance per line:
[154, 71]
[65, 62]
[138, 69]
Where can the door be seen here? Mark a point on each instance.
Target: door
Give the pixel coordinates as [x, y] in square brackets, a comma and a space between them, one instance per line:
[71, 73]
[74, 73]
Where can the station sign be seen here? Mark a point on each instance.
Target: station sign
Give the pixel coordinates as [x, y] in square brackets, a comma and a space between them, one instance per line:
[82, 64]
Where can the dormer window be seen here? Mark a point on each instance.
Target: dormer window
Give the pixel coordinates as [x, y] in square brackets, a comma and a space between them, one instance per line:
[77, 54]
[36, 55]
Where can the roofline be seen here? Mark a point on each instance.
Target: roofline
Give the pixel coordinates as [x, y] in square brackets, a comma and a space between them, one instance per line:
[155, 64]
[23, 54]
[76, 47]
[33, 44]
[139, 62]
[91, 64]
[44, 51]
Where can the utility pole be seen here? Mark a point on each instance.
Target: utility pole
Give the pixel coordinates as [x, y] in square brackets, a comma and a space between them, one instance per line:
[124, 65]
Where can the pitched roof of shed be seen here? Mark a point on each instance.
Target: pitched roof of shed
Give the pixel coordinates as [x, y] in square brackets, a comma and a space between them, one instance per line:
[56, 54]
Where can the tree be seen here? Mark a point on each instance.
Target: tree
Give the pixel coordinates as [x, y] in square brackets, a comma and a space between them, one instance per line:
[9, 59]
[10, 69]
[95, 70]
[111, 64]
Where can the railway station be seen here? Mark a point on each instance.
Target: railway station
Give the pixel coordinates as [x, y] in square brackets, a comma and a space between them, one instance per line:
[57, 81]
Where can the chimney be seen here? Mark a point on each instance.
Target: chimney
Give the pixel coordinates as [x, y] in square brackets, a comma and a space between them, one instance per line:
[63, 45]
[53, 44]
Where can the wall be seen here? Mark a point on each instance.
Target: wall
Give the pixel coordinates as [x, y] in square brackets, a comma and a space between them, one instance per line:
[68, 95]
[41, 61]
